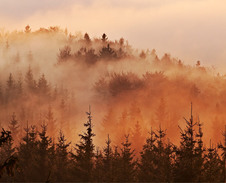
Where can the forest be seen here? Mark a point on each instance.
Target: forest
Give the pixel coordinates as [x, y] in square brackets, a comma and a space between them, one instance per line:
[149, 119]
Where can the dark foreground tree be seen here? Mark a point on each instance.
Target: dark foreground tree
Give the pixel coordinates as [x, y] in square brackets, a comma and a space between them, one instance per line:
[7, 160]
[187, 165]
[85, 153]
[61, 162]
[127, 162]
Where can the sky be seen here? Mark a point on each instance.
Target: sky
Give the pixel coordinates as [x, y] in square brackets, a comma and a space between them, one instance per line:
[190, 30]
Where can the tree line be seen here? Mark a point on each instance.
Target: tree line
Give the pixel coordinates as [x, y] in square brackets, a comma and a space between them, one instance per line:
[39, 157]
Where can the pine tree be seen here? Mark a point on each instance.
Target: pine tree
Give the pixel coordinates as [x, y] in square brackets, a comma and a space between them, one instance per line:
[10, 82]
[43, 151]
[10, 88]
[27, 29]
[19, 87]
[163, 155]
[91, 57]
[137, 138]
[116, 165]
[14, 127]
[62, 161]
[51, 122]
[84, 152]
[87, 38]
[65, 54]
[223, 155]
[107, 53]
[108, 162]
[199, 153]
[185, 165]
[30, 81]
[127, 162]
[7, 156]
[162, 114]
[27, 153]
[156, 159]
[63, 114]
[148, 161]
[104, 37]
[43, 87]
[99, 170]
[212, 165]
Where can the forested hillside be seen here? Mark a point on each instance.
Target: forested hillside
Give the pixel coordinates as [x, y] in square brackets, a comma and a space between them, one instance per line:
[142, 128]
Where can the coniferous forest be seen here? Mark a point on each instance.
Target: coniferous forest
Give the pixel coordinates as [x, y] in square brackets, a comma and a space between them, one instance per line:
[148, 119]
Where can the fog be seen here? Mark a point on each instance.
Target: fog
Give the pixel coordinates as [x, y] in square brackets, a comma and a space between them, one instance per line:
[56, 75]
[189, 30]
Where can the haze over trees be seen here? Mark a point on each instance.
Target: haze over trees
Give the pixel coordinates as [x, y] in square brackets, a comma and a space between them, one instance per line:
[50, 76]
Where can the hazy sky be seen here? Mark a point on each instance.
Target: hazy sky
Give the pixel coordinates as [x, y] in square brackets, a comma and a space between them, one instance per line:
[187, 29]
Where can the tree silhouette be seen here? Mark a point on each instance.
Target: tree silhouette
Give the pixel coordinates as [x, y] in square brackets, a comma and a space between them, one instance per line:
[223, 148]
[43, 87]
[27, 29]
[51, 121]
[107, 53]
[147, 163]
[99, 171]
[27, 153]
[14, 127]
[104, 37]
[108, 162]
[185, 166]
[127, 162]
[65, 54]
[7, 158]
[43, 151]
[30, 82]
[212, 164]
[87, 38]
[62, 161]
[84, 152]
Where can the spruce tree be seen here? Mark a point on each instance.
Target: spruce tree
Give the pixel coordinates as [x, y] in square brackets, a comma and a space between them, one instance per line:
[43, 152]
[107, 53]
[156, 159]
[147, 162]
[10, 88]
[212, 165]
[137, 138]
[186, 168]
[62, 159]
[84, 152]
[30, 81]
[108, 162]
[127, 162]
[14, 127]
[87, 38]
[162, 154]
[8, 158]
[27, 153]
[51, 122]
[43, 87]
[99, 171]
[199, 153]
[222, 146]
[116, 165]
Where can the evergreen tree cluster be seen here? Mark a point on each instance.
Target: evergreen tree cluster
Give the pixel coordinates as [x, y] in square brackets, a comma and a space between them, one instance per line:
[40, 158]
[89, 53]
[20, 88]
[24, 95]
